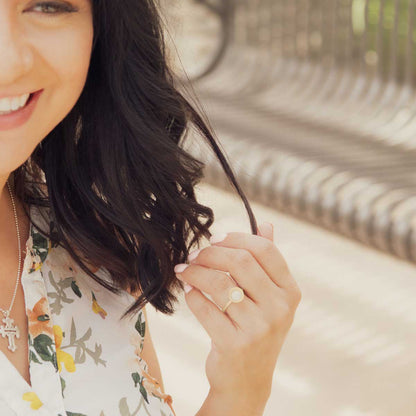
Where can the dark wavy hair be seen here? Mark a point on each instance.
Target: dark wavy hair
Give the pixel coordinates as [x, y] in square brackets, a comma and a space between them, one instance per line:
[113, 175]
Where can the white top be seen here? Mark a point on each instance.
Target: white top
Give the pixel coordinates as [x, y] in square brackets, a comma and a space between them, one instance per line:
[83, 360]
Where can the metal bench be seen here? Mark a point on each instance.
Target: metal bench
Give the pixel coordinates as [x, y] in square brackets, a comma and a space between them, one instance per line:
[314, 103]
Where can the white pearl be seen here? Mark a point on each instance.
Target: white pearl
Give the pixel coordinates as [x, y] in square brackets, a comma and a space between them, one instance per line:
[236, 295]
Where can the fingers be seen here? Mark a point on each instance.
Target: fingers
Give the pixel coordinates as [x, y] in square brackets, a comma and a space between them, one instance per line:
[217, 284]
[242, 266]
[266, 230]
[251, 262]
[217, 324]
[262, 249]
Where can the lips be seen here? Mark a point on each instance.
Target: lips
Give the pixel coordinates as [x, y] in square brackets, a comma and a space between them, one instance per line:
[32, 95]
[19, 117]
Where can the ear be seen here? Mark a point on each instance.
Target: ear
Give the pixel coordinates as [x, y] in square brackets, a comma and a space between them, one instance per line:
[266, 230]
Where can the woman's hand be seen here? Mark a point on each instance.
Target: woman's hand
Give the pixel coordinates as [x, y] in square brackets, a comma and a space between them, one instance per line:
[247, 338]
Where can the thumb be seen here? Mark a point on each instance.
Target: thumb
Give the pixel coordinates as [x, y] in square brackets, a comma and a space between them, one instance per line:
[266, 230]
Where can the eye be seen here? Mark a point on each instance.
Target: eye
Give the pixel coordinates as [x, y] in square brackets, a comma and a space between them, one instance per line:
[54, 7]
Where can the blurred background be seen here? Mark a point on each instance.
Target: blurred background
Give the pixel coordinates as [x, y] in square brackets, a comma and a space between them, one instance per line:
[314, 104]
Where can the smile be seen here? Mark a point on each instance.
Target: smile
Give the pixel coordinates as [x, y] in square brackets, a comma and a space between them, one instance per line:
[21, 110]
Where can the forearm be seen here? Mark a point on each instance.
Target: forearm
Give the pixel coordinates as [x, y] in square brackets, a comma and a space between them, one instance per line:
[220, 405]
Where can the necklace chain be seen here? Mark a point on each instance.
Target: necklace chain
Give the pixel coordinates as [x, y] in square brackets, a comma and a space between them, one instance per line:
[6, 313]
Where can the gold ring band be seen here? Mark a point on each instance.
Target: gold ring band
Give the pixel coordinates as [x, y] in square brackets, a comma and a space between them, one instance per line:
[235, 295]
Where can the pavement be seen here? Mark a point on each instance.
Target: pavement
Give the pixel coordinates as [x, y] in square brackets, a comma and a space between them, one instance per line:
[351, 349]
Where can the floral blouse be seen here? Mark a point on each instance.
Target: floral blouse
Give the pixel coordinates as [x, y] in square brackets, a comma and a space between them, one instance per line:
[83, 360]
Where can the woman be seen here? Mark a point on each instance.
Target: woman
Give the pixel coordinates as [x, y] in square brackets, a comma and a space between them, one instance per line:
[93, 179]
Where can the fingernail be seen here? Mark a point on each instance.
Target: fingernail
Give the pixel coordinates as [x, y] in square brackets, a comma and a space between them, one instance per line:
[216, 238]
[187, 287]
[193, 254]
[269, 225]
[179, 268]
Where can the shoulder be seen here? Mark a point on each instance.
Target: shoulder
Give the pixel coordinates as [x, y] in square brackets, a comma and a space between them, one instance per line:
[149, 352]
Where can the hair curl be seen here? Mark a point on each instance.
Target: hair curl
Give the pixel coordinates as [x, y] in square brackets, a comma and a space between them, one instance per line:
[117, 183]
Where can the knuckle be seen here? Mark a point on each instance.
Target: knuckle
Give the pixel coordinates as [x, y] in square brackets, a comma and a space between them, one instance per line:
[297, 294]
[283, 315]
[202, 307]
[221, 284]
[242, 257]
[268, 247]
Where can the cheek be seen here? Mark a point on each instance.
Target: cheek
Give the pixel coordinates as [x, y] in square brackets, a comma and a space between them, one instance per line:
[65, 61]
[69, 54]
[60, 68]
[68, 58]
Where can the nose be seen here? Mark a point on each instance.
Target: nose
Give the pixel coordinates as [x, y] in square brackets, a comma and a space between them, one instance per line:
[15, 54]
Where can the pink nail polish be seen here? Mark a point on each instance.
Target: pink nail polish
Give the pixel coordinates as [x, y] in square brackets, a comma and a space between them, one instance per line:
[187, 287]
[179, 268]
[193, 254]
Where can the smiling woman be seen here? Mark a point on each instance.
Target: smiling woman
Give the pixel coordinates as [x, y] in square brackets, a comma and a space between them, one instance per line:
[94, 178]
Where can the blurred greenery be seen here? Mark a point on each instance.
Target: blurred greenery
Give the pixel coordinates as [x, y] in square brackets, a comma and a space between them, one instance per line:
[388, 24]
[376, 35]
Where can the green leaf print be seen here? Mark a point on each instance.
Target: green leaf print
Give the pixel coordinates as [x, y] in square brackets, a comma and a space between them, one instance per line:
[33, 358]
[136, 378]
[41, 244]
[63, 385]
[43, 346]
[32, 355]
[43, 318]
[140, 326]
[144, 393]
[75, 288]
[75, 414]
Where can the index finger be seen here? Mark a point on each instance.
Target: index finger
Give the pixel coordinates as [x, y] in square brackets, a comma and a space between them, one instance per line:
[265, 252]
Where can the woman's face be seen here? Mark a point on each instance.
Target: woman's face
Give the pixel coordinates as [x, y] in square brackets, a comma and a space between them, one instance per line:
[44, 45]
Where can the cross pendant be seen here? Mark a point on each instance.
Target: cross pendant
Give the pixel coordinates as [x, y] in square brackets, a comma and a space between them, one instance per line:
[10, 331]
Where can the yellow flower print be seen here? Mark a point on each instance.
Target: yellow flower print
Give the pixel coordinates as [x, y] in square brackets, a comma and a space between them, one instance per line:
[97, 308]
[32, 397]
[62, 356]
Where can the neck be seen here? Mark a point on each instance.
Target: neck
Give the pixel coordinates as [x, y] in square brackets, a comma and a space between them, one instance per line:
[5, 202]
[7, 222]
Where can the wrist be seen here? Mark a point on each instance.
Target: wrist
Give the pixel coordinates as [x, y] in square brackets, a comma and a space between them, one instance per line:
[219, 404]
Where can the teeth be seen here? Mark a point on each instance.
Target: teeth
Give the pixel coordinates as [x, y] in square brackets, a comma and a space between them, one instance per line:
[23, 99]
[13, 103]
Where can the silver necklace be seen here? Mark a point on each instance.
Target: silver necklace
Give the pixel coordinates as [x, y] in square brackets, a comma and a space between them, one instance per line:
[9, 330]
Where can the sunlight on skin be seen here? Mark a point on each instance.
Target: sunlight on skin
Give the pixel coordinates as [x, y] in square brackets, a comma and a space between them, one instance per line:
[40, 49]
